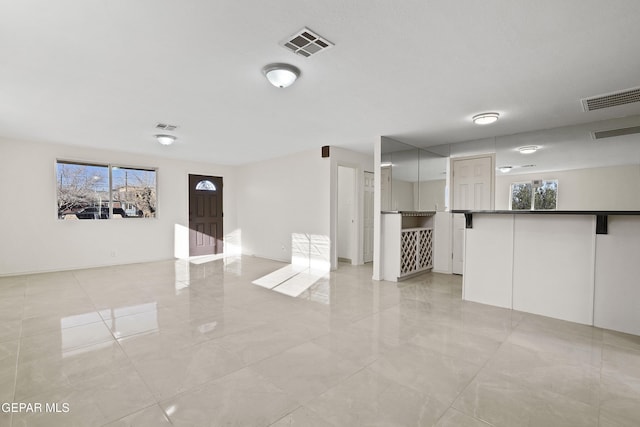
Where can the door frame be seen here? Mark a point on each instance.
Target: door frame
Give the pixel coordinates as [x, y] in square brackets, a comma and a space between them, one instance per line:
[359, 177]
[220, 244]
[354, 247]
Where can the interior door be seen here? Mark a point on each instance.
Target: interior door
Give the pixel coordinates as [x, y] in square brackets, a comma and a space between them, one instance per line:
[472, 189]
[205, 215]
[368, 217]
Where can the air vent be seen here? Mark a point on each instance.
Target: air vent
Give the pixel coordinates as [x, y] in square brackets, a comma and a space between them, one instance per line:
[165, 126]
[306, 43]
[611, 100]
[615, 132]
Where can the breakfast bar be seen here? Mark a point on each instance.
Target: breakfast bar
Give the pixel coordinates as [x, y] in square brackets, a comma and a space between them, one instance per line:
[580, 266]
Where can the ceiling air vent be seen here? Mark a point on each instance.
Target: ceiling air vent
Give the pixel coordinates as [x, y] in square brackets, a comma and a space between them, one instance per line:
[611, 100]
[615, 132]
[306, 43]
[165, 126]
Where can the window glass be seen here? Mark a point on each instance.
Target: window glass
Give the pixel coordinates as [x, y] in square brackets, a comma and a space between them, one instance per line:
[134, 192]
[520, 196]
[205, 185]
[546, 195]
[82, 191]
[534, 195]
[93, 191]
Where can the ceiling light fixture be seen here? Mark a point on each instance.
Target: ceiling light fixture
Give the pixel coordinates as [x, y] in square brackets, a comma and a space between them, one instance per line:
[505, 169]
[485, 118]
[528, 149]
[281, 75]
[165, 139]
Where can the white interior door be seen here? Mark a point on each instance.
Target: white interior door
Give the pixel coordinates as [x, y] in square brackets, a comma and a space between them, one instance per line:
[368, 217]
[472, 189]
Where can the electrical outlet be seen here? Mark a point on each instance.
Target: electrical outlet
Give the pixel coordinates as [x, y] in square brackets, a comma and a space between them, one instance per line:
[113, 254]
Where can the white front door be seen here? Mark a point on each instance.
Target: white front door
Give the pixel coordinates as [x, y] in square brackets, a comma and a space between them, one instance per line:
[472, 189]
[368, 217]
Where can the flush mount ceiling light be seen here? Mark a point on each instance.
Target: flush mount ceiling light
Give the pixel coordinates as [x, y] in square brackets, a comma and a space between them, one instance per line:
[505, 169]
[165, 139]
[528, 149]
[485, 118]
[281, 75]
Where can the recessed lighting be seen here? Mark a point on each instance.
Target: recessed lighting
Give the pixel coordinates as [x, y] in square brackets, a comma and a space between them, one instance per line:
[281, 75]
[165, 139]
[505, 169]
[485, 118]
[528, 149]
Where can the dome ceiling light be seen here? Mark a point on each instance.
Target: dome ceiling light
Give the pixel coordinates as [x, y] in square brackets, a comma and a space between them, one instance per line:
[485, 118]
[528, 149]
[165, 139]
[281, 75]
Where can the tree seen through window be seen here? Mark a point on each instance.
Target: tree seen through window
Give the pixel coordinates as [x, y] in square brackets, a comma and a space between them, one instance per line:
[541, 196]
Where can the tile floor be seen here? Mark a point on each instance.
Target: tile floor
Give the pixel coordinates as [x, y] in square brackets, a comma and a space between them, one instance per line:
[174, 343]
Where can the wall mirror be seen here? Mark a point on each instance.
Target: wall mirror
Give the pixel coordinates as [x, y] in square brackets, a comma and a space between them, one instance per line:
[412, 178]
[596, 166]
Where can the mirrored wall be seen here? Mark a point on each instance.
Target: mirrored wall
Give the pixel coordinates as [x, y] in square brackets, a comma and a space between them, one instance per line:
[412, 179]
[596, 166]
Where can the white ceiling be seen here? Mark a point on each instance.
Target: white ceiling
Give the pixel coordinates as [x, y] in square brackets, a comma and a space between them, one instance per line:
[102, 73]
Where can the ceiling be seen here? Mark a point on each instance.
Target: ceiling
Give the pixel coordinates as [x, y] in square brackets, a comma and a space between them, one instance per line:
[102, 73]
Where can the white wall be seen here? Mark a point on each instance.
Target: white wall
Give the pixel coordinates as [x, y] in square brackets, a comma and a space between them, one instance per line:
[616, 276]
[346, 212]
[279, 197]
[607, 188]
[429, 195]
[402, 196]
[442, 227]
[34, 240]
[377, 209]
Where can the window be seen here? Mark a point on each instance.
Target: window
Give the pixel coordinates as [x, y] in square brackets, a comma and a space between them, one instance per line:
[534, 195]
[94, 191]
[134, 191]
[205, 185]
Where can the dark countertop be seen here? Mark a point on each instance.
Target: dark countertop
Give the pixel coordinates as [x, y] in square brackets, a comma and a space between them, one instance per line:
[555, 212]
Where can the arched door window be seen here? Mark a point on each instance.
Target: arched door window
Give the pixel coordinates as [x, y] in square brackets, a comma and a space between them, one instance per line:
[205, 185]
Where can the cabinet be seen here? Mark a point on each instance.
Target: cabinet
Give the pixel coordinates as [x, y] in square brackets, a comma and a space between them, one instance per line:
[407, 246]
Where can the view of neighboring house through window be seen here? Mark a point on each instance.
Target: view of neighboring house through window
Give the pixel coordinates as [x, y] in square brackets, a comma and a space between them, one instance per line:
[534, 195]
[134, 191]
[94, 191]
